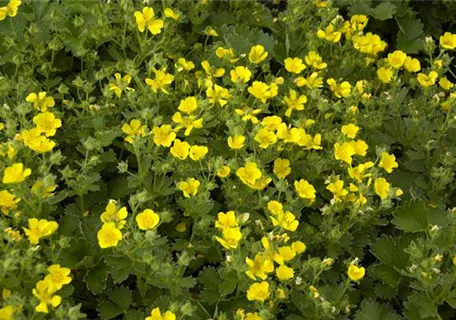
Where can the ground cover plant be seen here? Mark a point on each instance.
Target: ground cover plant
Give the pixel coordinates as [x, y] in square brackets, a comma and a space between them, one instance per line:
[168, 160]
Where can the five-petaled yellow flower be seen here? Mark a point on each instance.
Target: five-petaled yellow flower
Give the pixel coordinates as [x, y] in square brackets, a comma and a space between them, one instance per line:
[15, 173]
[189, 187]
[157, 315]
[356, 273]
[147, 219]
[109, 235]
[145, 19]
[41, 101]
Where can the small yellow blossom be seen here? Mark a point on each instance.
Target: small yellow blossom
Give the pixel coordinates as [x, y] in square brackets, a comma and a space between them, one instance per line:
[412, 64]
[162, 80]
[108, 235]
[183, 64]
[350, 130]
[340, 90]
[57, 277]
[275, 207]
[15, 173]
[8, 201]
[344, 152]
[381, 187]
[145, 19]
[265, 138]
[40, 101]
[188, 122]
[298, 247]
[445, 83]
[360, 147]
[305, 190]
[121, 84]
[385, 74]
[231, 238]
[286, 220]
[39, 229]
[236, 142]
[7, 312]
[240, 74]
[226, 220]
[197, 153]
[132, 130]
[147, 219]
[114, 214]
[180, 149]
[157, 315]
[45, 293]
[218, 94]
[257, 54]
[258, 291]
[47, 123]
[284, 273]
[329, 34]
[427, 80]
[294, 65]
[262, 91]
[169, 13]
[388, 162]
[356, 273]
[281, 168]
[223, 172]
[397, 59]
[448, 41]
[314, 60]
[294, 102]
[313, 81]
[189, 187]
[188, 105]
[337, 189]
[249, 173]
[163, 135]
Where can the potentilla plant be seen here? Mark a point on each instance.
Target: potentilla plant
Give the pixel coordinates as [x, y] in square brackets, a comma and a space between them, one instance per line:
[222, 160]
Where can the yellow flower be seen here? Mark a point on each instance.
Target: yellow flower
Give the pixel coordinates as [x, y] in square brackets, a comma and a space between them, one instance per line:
[329, 34]
[188, 105]
[169, 13]
[258, 291]
[147, 219]
[344, 152]
[249, 173]
[164, 135]
[260, 183]
[40, 101]
[259, 267]
[222, 53]
[294, 102]
[448, 41]
[360, 147]
[211, 32]
[271, 123]
[298, 247]
[286, 253]
[412, 64]
[340, 90]
[305, 190]
[248, 114]
[257, 54]
[381, 187]
[39, 229]
[445, 83]
[113, 214]
[218, 94]
[281, 168]
[162, 79]
[286, 220]
[369, 43]
[284, 273]
[6, 313]
[145, 19]
[57, 277]
[134, 129]
[226, 220]
[314, 60]
[183, 64]
[358, 173]
[108, 235]
[45, 293]
[350, 130]
[253, 316]
[275, 207]
[8, 201]
[294, 65]
[47, 123]
[388, 162]
[198, 152]
[385, 74]
[188, 123]
[397, 59]
[265, 138]
[157, 315]
[427, 80]
[262, 91]
[398, 192]
[121, 84]
[15, 173]
[240, 74]
[313, 81]
[356, 273]
[223, 172]
[180, 149]
[189, 187]
[337, 189]
[236, 142]
[358, 22]
[231, 238]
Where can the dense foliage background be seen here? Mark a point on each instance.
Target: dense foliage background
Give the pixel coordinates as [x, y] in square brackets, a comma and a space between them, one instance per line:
[174, 257]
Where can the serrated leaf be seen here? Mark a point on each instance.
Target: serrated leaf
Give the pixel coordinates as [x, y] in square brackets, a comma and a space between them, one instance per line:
[384, 11]
[390, 251]
[119, 268]
[210, 279]
[411, 217]
[372, 310]
[95, 278]
[451, 299]
[410, 37]
[419, 306]
[121, 297]
[108, 310]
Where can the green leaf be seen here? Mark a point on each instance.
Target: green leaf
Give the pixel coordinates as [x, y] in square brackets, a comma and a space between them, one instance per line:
[390, 251]
[384, 11]
[121, 297]
[210, 279]
[108, 310]
[411, 217]
[372, 310]
[410, 37]
[95, 278]
[419, 306]
[119, 268]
